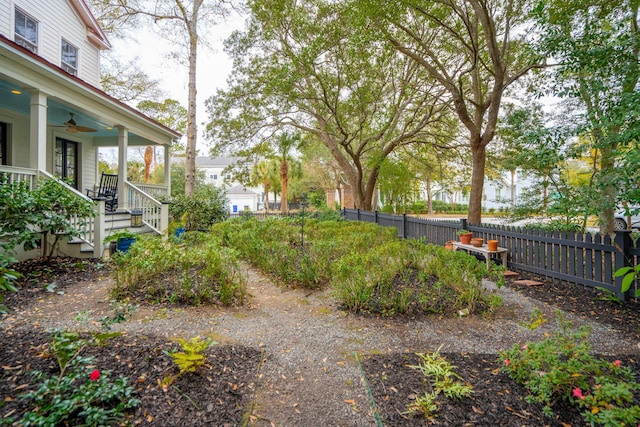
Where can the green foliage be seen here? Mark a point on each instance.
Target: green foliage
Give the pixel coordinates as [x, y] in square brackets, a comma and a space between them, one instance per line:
[561, 367]
[78, 393]
[206, 206]
[192, 355]
[196, 270]
[629, 276]
[48, 210]
[369, 269]
[442, 378]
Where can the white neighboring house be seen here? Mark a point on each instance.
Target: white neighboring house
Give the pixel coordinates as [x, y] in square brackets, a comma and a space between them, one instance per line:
[496, 194]
[241, 198]
[54, 117]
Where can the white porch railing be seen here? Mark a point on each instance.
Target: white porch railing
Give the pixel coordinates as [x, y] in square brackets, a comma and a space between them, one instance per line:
[157, 191]
[154, 213]
[14, 174]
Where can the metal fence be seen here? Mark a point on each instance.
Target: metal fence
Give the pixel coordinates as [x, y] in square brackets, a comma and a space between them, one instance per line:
[580, 258]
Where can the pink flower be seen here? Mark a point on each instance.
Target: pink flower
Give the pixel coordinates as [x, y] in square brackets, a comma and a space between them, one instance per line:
[507, 362]
[617, 363]
[95, 374]
[578, 393]
[524, 347]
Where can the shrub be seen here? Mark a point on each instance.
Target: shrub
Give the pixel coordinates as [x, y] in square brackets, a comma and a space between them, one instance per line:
[195, 271]
[206, 206]
[561, 367]
[78, 392]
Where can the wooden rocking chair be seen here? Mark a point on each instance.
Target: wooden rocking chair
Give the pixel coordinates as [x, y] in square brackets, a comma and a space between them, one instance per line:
[107, 191]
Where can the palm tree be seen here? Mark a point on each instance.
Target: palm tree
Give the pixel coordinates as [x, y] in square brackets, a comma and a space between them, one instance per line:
[265, 173]
[284, 143]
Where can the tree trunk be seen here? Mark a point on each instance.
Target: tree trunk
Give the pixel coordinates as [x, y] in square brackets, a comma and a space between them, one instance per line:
[284, 176]
[190, 161]
[266, 196]
[479, 154]
[609, 192]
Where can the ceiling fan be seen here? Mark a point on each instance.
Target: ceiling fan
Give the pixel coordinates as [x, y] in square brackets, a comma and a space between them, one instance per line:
[72, 126]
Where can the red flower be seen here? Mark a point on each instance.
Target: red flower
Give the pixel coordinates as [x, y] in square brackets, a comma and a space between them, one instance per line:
[507, 362]
[95, 374]
[617, 363]
[578, 393]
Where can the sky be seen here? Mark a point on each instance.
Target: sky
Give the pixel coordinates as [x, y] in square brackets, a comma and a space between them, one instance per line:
[213, 64]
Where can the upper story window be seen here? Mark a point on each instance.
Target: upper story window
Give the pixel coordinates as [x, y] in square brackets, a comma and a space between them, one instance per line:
[26, 31]
[69, 58]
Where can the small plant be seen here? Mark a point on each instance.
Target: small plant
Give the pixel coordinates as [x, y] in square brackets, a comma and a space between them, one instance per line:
[78, 392]
[537, 319]
[463, 231]
[8, 276]
[629, 275]
[122, 234]
[439, 371]
[561, 367]
[190, 359]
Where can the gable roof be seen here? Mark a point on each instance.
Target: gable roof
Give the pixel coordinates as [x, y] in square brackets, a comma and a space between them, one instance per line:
[95, 33]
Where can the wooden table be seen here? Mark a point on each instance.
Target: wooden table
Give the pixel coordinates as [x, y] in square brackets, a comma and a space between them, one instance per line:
[482, 250]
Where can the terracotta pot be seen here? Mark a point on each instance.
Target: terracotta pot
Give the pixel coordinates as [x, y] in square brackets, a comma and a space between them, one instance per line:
[492, 245]
[477, 242]
[465, 239]
[449, 245]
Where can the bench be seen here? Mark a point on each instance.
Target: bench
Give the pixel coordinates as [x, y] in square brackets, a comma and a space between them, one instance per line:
[483, 250]
[107, 191]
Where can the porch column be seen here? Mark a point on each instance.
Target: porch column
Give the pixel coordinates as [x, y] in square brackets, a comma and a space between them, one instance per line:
[123, 144]
[167, 169]
[38, 131]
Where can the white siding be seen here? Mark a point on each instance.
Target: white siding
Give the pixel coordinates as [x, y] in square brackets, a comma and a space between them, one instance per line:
[57, 20]
[5, 22]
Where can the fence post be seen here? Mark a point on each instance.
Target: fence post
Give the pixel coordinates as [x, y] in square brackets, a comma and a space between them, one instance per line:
[375, 215]
[358, 214]
[404, 225]
[463, 221]
[622, 244]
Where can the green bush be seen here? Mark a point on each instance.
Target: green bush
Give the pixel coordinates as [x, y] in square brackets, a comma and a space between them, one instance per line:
[197, 270]
[367, 266]
[206, 206]
[561, 367]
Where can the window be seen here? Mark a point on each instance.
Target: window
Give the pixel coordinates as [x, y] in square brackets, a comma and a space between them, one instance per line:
[498, 194]
[214, 176]
[26, 31]
[66, 161]
[69, 58]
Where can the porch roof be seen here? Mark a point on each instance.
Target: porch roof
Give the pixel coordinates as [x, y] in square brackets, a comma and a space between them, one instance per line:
[22, 72]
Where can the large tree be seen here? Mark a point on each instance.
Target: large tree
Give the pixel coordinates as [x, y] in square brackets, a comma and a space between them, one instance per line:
[597, 48]
[179, 22]
[471, 48]
[303, 65]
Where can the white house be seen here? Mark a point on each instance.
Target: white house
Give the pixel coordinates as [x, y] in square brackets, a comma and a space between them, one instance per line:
[53, 116]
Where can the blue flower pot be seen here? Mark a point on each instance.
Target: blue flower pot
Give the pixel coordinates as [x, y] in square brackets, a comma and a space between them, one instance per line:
[124, 243]
[180, 233]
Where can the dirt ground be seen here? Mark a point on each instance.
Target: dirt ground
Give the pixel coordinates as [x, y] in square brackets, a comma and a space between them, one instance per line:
[294, 357]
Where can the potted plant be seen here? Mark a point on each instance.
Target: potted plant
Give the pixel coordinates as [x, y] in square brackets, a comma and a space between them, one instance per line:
[465, 236]
[120, 241]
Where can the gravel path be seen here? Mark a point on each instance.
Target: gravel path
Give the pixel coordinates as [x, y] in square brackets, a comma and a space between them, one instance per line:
[309, 376]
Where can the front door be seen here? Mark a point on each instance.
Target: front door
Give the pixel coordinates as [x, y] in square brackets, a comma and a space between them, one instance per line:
[66, 161]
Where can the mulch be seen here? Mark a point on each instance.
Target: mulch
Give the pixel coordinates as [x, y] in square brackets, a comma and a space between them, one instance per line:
[222, 393]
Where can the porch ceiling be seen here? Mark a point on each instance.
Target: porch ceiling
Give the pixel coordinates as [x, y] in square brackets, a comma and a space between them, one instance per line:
[58, 114]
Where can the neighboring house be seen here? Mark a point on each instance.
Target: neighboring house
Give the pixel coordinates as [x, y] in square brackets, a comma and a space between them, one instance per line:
[53, 116]
[216, 172]
[497, 194]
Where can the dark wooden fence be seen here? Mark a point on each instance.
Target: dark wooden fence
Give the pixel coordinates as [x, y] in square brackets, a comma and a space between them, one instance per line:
[581, 258]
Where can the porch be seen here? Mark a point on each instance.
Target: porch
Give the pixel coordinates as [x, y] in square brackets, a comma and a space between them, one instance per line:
[155, 214]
